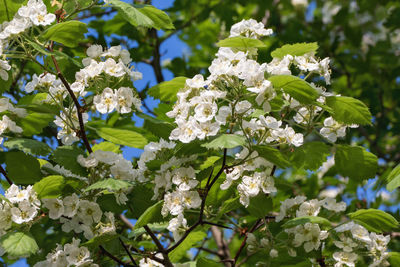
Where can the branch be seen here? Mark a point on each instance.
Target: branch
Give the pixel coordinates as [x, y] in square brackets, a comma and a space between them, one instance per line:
[127, 251]
[223, 249]
[160, 247]
[5, 175]
[111, 256]
[245, 239]
[156, 64]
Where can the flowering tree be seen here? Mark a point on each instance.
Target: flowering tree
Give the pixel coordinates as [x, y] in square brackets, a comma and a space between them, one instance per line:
[238, 162]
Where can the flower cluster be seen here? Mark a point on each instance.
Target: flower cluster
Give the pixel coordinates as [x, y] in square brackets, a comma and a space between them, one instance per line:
[21, 206]
[34, 13]
[80, 215]
[333, 129]
[354, 238]
[70, 255]
[121, 100]
[69, 123]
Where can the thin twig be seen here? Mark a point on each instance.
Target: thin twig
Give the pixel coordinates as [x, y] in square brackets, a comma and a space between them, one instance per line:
[127, 251]
[5, 175]
[245, 239]
[160, 247]
[111, 256]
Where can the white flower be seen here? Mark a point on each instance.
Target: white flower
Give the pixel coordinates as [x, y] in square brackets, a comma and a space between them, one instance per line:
[273, 253]
[94, 51]
[196, 82]
[242, 106]
[124, 98]
[25, 212]
[332, 129]
[4, 67]
[205, 111]
[345, 243]
[185, 178]
[223, 113]
[71, 204]
[330, 204]
[309, 208]
[89, 212]
[7, 124]
[249, 28]
[76, 255]
[280, 66]
[175, 224]
[270, 122]
[113, 68]
[265, 93]
[55, 206]
[106, 102]
[67, 134]
[146, 262]
[36, 11]
[88, 162]
[287, 205]
[344, 258]
[360, 233]
[231, 175]
[191, 199]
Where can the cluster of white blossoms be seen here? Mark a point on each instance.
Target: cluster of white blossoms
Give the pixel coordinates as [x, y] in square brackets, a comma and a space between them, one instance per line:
[70, 255]
[354, 238]
[80, 216]
[196, 110]
[34, 13]
[106, 164]
[4, 67]
[6, 124]
[69, 123]
[254, 174]
[249, 28]
[309, 235]
[21, 206]
[254, 245]
[121, 100]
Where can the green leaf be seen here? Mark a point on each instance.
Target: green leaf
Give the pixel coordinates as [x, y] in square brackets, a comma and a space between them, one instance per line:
[375, 220]
[111, 184]
[298, 49]
[226, 141]
[260, 205]
[301, 90]
[69, 33]
[394, 258]
[179, 252]
[156, 126]
[22, 168]
[355, 162]
[393, 179]
[106, 146]
[151, 215]
[49, 187]
[100, 240]
[34, 123]
[305, 219]
[310, 156]
[31, 146]
[122, 137]
[66, 156]
[230, 204]
[204, 262]
[19, 244]
[166, 91]
[143, 15]
[273, 155]
[349, 110]
[241, 42]
[9, 8]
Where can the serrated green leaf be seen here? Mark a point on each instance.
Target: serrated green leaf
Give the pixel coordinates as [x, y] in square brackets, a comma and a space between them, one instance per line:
[122, 137]
[156, 126]
[204, 262]
[241, 42]
[375, 220]
[298, 88]
[229, 205]
[34, 123]
[310, 156]
[111, 184]
[226, 141]
[166, 91]
[349, 110]
[107, 146]
[49, 187]
[22, 168]
[179, 252]
[273, 155]
[306, 219]
[151, 215]
[143, 15]
[298, 49]
[260, 205]
[30, 146]
[355, 162]
[18, 244]
[393, 179]
[100, 240]
[69, 33]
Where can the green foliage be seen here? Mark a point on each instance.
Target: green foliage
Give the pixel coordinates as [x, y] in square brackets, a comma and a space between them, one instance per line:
[393, 179]
[299, 89]
[30, 146]
[349, 110]
[310, 156]
[69, 33]
[122, 137]
[375, 220]
[241, 42]
[110, 184]
[273, 155]
[19, 244]
[298, 49]
[66, 156]
[143, 15]
[355, 162]
[22, 168]
[49, 187]
[9, 8]
[179, 252]
[204, 262]
[226, 141]
[151, 215]
[166, 91]
[305, 219]
[260, 205]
